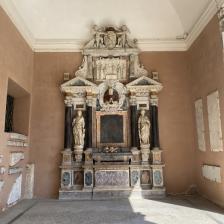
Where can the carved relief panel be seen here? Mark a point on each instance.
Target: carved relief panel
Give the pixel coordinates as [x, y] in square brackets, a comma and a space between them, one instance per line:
[214, 119]
[110, 68]
[200, 125]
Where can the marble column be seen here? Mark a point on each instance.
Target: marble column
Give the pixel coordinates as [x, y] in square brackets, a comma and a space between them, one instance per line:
[134, 128]
[154, 123]
[89, 126]
[68, 126]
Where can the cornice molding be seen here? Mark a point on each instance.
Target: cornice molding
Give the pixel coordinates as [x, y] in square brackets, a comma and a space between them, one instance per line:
[75, 45]
[202, 22]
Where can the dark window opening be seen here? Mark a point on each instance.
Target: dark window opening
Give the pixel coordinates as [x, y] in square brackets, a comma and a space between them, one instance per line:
[9, 114]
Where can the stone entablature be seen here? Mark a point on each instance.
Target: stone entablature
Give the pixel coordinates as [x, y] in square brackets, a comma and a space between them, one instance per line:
[119, 153]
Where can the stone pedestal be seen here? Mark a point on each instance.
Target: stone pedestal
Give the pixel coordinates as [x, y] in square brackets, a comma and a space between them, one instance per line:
[78, 152]
[136, 156]
[67, 157]
[156, 156]
[88, 156]
[145, 150]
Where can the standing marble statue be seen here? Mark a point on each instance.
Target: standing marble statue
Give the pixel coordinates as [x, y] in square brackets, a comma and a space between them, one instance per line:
[144, 128]
[79, 129]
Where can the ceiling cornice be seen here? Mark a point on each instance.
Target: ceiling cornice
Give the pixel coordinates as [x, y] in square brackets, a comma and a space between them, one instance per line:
[201, 23]
[75, 45]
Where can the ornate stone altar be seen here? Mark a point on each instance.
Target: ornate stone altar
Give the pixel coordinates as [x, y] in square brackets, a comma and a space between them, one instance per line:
[111, 147]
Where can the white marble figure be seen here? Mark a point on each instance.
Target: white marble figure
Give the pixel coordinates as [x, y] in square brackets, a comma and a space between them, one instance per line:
[122, 39]
[83, 69]
[98, 37]
[79, 129]
[144, 128]
[110, 38]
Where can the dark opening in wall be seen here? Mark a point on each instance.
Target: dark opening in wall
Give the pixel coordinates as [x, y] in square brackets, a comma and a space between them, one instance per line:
[9, 114]
[17, 109]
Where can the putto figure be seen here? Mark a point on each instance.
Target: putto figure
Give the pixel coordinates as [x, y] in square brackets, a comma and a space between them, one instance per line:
[144, 128]
[79, 129]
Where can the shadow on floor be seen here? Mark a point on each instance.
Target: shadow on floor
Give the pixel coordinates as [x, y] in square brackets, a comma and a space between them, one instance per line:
[170, 210]
[72, 212]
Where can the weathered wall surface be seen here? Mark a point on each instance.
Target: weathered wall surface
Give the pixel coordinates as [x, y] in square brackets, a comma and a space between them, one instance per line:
[207, 76]
[47, 125]
[16, 63]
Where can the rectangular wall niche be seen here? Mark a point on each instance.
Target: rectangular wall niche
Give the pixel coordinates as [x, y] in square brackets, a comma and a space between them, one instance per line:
[200, 125]
[214, 119]
[17, 109]
[212, 173]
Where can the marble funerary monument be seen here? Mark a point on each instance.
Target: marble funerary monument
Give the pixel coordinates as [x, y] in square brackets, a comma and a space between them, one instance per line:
[111, 147]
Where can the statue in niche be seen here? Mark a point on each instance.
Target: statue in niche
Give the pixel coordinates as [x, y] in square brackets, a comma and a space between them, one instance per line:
[79, 129]
[144, 128]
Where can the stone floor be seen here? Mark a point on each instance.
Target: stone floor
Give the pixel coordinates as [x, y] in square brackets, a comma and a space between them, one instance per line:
[171, 210]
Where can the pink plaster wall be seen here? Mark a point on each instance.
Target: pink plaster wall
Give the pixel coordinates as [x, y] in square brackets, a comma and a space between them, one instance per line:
[16, 63]
[207, 75]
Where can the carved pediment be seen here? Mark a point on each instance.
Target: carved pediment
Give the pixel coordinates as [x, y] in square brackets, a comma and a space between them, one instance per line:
[145, 82]
[78, 81]
[77, 84]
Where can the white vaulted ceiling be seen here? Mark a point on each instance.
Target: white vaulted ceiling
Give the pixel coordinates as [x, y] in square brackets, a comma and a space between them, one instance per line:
[64, 25]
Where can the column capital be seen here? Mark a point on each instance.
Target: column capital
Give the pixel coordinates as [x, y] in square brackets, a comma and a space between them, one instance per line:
[154, 100]
[68, 102]
[133, 101]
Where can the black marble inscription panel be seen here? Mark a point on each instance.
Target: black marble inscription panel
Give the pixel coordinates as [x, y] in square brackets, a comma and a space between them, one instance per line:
[111, 129]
